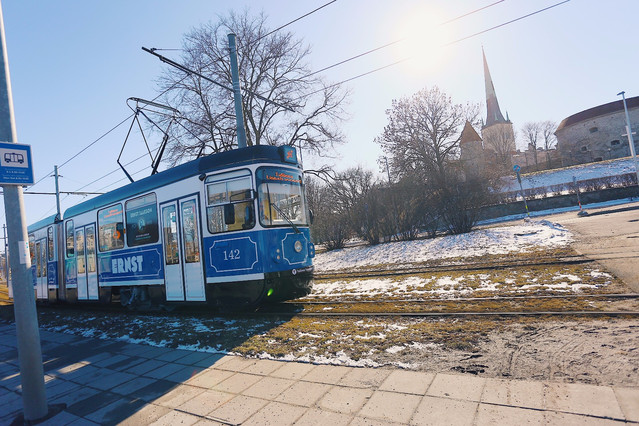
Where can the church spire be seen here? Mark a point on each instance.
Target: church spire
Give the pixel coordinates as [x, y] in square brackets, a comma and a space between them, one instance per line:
[494, 114]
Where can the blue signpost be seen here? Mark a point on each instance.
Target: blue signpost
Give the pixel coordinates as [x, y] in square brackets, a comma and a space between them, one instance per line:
[15, 164]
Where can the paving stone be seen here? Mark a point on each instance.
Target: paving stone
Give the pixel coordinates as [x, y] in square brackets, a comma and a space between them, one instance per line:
[345, 400]
[60, 387]
[490, 415]
[154, 351]
[407, 382]
[362, 421]
[292, 370]
[60, 419]
[565, 419]
[444, 411]
[74, 396]
[176, 418]
[583, 399]
[518, 393]
[303, 393]
[10, 399]
[107, 379]
[457, 387]
[326, 374]
[276, 413]
[234, 363]
[316, 416]
[92, 404]
[135, 350]
[262, 367]
[156, 390]
[145, 367]
[97, 358]
[205, 402]
[192, 358]
[110, 360]
[364, 377]
[164, 371]
[391, 406]
[173, 355]
[126, 363]
[69, 368]
[116, 411]
[178, 396]
[146, 415]
[209, 378]
[238, 409]
[133, 385]
[184, 374]
[628, 399]
[82, 422]
[210, 361]
[268, 388]
[237, 383]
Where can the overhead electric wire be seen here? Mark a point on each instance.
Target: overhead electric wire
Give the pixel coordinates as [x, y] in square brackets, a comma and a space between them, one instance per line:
[175, 84]
[407, 58]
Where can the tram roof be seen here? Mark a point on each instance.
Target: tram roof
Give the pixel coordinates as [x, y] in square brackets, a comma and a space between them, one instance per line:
[42, 223]
[234, 158]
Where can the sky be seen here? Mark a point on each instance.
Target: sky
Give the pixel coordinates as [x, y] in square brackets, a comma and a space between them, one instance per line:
[74, 63]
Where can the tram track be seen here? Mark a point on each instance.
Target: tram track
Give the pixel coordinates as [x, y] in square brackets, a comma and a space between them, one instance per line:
[456, 267]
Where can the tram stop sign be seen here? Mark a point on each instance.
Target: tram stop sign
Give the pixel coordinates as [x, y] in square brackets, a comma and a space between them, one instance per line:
[15, 164]
[517, 168]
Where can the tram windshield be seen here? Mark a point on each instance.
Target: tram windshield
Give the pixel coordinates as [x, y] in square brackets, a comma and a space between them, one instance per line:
[281, 197]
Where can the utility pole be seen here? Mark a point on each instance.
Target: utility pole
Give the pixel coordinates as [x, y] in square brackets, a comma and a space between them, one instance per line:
[6, 254]
[34, 399]
[57, 191]
[629, 132]
[235, 76]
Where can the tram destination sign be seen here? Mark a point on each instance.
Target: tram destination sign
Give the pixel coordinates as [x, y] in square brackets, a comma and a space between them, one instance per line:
[16, 167]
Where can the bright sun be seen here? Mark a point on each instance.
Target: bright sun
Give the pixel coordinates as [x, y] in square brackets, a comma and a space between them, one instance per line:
[423, 38]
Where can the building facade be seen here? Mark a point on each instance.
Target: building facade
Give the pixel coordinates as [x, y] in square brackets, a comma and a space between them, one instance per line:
[598, 133]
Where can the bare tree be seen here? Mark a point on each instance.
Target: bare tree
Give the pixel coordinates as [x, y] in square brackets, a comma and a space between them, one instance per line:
[500, 137]
[273, 66]
[548, 128]
[531, 132]
[423, 133]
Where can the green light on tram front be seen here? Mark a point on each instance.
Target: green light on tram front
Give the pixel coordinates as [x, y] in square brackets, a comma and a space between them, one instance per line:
[269, 292]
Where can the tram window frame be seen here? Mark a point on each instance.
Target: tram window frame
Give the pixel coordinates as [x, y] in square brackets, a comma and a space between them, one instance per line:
[50, 244]
[70, 248]
[220, 196]
[133, 237]
[108, 240]
[280, 178]
[32, 249]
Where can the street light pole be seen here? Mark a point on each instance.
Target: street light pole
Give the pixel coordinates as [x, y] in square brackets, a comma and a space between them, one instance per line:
[629, 132]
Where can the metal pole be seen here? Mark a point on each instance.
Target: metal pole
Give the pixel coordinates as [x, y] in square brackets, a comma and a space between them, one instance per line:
[6, 254]
[629, 132]
[34, 399]
[57, 191]
[235, 76]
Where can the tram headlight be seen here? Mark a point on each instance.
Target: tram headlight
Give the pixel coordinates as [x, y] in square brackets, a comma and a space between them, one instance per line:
[298, 246]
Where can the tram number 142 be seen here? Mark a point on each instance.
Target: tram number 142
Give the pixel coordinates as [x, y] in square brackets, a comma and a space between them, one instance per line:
[233, 254]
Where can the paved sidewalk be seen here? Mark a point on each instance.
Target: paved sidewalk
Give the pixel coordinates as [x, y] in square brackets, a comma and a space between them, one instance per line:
[111, 382]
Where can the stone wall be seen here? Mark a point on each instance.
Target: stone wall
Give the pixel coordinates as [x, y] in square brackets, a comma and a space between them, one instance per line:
[598, 138]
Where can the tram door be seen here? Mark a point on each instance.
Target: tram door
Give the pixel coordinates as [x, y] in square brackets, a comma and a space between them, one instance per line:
[86, 263]
[41, 269]
[184, 276]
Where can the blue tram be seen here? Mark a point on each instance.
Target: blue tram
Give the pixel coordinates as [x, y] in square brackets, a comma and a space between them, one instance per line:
[227, 229]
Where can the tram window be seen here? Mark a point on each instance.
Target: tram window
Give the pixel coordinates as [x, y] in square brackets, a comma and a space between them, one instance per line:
[142, 221]
[69, 238]
[111, 228]
[50, 244]
[169, 228]
[90, 237]
[32, 252]
[190, 233]
[43, 260]
[79, 247]
[230, 203]
[38, 260]
[281, 197]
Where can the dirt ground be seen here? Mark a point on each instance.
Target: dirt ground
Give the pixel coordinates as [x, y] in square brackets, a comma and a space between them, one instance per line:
[602, 352]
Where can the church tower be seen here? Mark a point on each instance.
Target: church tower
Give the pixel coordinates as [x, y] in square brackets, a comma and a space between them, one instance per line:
[497, 132]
